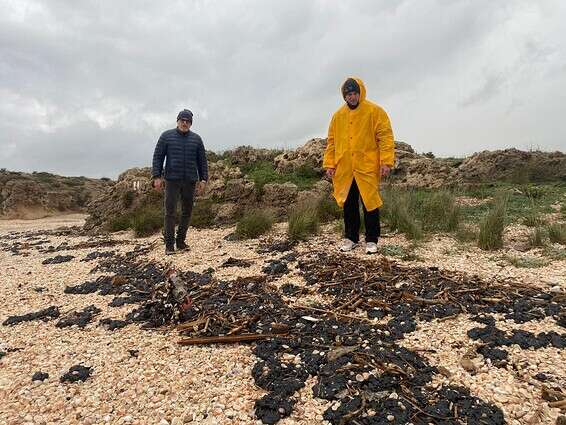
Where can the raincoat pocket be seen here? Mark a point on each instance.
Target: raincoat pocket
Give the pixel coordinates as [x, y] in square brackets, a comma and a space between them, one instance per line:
[366, 162]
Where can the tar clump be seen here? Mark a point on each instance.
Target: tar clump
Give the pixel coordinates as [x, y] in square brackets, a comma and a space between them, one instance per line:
[79, 318]
[58, 259]
[40, 376]
[77, 373]
[45, 315]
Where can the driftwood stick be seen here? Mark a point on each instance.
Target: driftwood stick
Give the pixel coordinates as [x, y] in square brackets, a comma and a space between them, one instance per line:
[412, 297]
[492, 300]
[347, 303]
[332, 313]
[189, 325]
[244, 324]
[225, 339]
[558, 404]
[339, 282]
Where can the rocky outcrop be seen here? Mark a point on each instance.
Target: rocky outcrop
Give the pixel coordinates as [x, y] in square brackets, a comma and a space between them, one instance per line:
[425, 170]
[132, 188]
[321, 189]
[227, 189]
[403, 152]
[308, 155]
[513, 165]
[245, 155]
[419, 171]
[35, 195]
[231, 189]
[279, 195]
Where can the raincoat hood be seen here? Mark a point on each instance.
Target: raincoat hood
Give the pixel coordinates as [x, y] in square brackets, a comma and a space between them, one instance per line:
[362, 87]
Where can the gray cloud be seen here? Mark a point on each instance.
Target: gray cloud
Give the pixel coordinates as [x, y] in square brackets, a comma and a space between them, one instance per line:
[88, 87]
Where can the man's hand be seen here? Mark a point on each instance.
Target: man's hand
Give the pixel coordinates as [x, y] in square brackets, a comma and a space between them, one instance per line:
[384, 170]
[330, 172]
[158, 184]
[201, 186]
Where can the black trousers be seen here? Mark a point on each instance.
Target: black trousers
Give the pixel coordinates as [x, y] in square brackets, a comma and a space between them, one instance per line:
[174, 188]
[352, 217]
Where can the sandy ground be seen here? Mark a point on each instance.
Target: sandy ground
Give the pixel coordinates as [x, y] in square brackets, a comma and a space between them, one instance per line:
[169, 384]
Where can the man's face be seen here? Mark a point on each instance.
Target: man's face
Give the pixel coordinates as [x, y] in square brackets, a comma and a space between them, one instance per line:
[352, 98]
[183, 125]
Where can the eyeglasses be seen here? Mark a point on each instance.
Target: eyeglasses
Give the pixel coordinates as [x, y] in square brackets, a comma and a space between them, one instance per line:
[185, 121]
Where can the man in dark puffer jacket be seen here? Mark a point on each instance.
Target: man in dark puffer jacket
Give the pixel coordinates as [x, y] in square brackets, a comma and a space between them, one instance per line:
[186, 172]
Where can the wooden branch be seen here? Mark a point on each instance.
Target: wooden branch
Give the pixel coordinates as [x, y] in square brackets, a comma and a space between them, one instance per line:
[558, 404]
[408, 296]
[225, 339]
[332, 313]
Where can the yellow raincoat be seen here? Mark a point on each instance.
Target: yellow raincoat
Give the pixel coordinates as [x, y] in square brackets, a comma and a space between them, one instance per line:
[359, 141]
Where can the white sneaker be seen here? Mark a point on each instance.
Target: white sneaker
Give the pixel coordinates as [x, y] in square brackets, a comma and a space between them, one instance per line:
[347, 245]
[371, 248]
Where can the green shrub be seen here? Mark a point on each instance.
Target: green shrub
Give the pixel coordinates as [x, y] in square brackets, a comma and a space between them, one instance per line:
[253, 224]
[147, 220]
[466, 233]
[440, 212]
[479, 191]
[82, 197]
[203, 214]
[43, 177]
[303, 222]
[533, 192]
[536, 238]
[119, 223]
[128, 198]
[554, 253]
[307, 171]
[557, 233]
[392, 250]
[304, 176]
[493, 225]
[328, 209]
[74, 181]
[262, 173]
[533, 219]
[398, 214]
[339, 227]
[521, 175]
[526, 262]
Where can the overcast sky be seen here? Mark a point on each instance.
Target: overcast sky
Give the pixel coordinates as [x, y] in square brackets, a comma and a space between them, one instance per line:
[87, 87]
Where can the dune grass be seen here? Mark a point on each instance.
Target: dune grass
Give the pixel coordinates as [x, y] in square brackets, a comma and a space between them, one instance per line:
[304, 221]
[493, 225]
[254, 223]
[557, 233]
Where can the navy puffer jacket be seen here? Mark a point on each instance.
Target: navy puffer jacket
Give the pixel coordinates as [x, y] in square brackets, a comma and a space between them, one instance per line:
[184, 154]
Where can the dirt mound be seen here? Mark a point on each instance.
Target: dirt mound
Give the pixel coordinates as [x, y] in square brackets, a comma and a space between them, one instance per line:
[513, 165]
[35, 195]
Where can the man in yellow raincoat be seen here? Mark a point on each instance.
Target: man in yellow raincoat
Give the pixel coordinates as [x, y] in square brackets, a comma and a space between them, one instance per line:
[360, 150]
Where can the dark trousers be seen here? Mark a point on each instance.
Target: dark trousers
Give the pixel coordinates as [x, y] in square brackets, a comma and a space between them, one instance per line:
[352, 217]
[174, 188]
